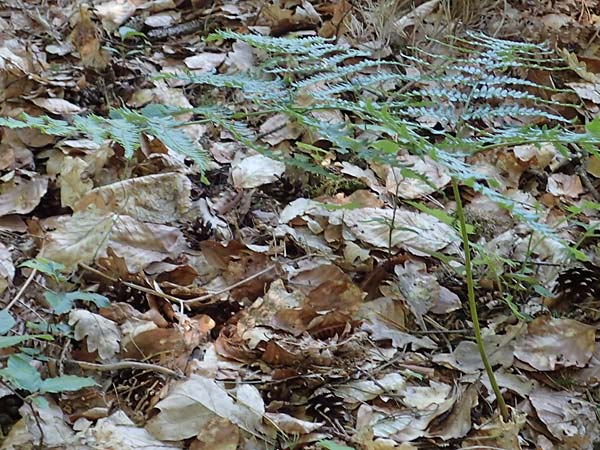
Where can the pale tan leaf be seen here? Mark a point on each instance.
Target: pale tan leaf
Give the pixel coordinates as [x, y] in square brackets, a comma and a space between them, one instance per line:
[567, 417]
[194, 403]
[364, 390]
[204, 62]
[164, 19]
[253, 171]
[413, 187]
[115, 13]
[47, 423]
[289, 424]
[21, 195]
[57, 106]
[416, 232]
[458, 423]
[551, 343]
[220, 434]
[496, 433]
[416, 15]
[160, 198]
[560, 184]
[101, 334]
[85, 236]
[73, 182]
[119, 432]
[86, 37]
[279, 128]
[7, 269]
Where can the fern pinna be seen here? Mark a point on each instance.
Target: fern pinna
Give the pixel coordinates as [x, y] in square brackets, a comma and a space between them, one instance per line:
[451, 108]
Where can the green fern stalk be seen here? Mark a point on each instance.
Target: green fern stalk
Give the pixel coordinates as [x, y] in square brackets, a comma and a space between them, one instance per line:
[473, 302]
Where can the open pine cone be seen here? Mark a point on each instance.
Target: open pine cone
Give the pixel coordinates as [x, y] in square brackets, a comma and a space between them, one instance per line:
[576, 285]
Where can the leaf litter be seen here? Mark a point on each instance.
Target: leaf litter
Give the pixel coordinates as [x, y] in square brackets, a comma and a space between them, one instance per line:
[254, 306]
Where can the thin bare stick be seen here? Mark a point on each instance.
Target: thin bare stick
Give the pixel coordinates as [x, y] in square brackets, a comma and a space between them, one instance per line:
[21, 291]
[125, 365]
[229, 288]
[130, 284]
[178, 300]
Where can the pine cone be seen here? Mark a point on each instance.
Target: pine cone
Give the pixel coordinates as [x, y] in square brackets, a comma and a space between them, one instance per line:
[576, 285]
[324, 404]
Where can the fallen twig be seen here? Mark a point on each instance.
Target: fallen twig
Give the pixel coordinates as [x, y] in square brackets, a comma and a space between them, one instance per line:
[126, 365]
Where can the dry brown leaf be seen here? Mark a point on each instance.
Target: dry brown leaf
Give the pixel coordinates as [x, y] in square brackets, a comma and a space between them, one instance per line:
[164, 19]
[21, 195]
[365, 390]
[418, 233]
[422, 292]
[47, 422]
[15, 57]
[537, 156]
[115, 13]
[241, 58]
[275, 310]
[424, 403]
[279, 128]
[289, 424]
[412, 187]
[165, 95]
[253, 171]
[194, 403]
[86, 37]
[74, 183]
[85, 236]
[7, 269]
[230, 345]
[466, 358]
[101, 334]
[497, 434]
[168, 343]
[57, 106]
[593, 166]
[568, 418]
[384, 319]
[13, 223]
[551, 344]
[160, 198]
[367, 176]
[204, 62]
[560, 184]
[458, 423]
[188, 408]
[118, 431]
[416, 15]
[220, 434]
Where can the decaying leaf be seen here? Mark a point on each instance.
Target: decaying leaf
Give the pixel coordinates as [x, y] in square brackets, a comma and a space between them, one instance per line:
[118, 431]
[428, 176]
[101, 334]
[160, 198]
[85, 236]
[193, 404]
[552, 343]
[569, 419]
[416, 232]
[21, 195]
[86, 38]
[7, 269]
[253, 171]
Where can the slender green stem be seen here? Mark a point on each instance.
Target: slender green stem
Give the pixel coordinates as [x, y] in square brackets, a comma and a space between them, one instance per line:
[473, 305]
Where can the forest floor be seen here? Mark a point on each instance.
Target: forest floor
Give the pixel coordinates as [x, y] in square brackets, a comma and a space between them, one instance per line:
[188, 261]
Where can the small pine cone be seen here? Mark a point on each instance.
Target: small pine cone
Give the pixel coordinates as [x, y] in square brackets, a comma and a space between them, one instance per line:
[576, 285]
[323, 404]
